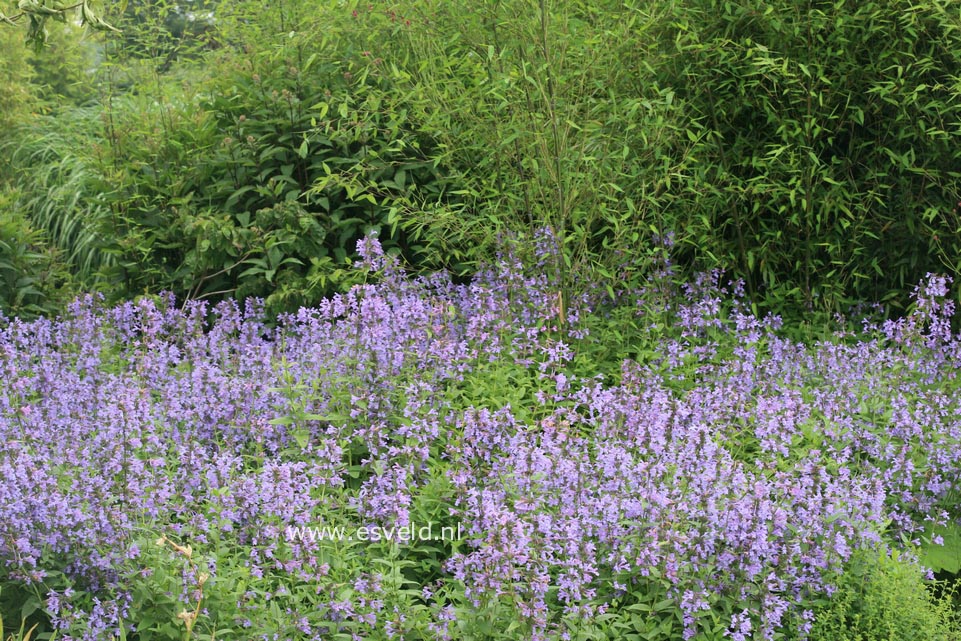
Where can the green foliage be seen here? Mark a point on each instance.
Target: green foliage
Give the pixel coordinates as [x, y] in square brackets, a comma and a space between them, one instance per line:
[313, 155]
[32, 277]
[63, 69]
[173, 596]
[61, 189]
[16, 92]
[946, 556]
[827, 144]
[546, 117]
[811, 150]
[24, 633]
[163, 31]
[883, 597]
[252, 175]
[646, 612]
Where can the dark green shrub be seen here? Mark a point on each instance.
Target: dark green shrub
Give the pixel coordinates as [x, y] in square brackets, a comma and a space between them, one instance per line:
[314, 154]
[827, 144]
[811, 150]
[256, 173]
[252, 173]
[32, 280]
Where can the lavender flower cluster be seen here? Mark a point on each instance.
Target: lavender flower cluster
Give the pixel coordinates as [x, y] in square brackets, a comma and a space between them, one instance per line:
[734, 468]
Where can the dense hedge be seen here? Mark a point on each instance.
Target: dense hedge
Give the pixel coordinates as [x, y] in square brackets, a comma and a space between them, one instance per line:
[810, 150]
[827, 142]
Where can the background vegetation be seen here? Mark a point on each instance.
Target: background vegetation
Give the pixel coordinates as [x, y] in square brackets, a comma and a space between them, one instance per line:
[809, 149]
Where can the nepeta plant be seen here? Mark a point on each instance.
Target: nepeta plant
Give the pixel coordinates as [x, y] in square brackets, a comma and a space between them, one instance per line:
[717, 486]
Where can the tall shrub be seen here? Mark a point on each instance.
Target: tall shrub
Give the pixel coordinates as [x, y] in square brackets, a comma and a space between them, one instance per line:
[546, 114]
[230, 166]
[827, 143]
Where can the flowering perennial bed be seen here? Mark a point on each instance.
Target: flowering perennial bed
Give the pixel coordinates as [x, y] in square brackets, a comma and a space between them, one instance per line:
[154, 460]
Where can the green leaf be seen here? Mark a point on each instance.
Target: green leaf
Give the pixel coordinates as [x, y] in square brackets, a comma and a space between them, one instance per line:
[943, 558]
[301, 436]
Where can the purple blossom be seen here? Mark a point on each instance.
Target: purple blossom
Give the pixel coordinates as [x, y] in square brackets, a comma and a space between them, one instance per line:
[732, 464]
